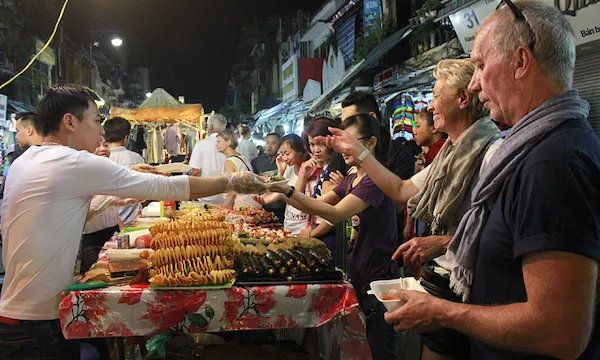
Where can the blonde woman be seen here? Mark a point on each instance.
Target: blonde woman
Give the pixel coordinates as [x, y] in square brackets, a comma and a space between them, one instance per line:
[236, 162]
[440, 194]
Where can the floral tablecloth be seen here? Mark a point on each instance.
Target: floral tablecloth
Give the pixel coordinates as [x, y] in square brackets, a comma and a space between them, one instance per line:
[137, 311]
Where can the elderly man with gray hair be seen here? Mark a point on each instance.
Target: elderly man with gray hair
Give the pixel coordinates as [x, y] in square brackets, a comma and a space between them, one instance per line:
[526, 254]
[206, 161]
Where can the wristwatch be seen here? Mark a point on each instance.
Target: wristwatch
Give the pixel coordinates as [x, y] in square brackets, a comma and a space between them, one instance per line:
[363, 155]
[291, 192]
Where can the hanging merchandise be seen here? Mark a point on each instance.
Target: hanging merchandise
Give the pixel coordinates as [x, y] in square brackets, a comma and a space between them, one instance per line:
[420, 103]
[173, 140]
[154, 153]
[403, 117]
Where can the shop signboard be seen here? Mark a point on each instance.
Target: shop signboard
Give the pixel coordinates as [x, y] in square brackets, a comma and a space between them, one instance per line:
[47, 57]
[3, 109]
[581, 14]
[385, 77]
[583, 17]
[290, 80]
[333, 69]
[467, 21]
[372, 16]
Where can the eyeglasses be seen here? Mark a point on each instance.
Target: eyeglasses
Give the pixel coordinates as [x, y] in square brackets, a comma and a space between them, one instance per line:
[364, 138]
[520, 17]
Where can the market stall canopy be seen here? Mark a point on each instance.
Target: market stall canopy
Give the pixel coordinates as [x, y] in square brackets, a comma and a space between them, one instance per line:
[274, 113]
[161, 106]
[160, 98]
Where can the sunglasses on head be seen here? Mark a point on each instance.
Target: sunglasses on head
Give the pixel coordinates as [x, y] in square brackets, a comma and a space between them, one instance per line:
[520, 17]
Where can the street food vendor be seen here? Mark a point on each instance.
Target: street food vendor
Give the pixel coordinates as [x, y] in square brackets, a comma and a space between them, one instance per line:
[46, 202]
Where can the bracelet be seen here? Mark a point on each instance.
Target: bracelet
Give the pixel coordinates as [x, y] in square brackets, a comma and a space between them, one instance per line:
[310, 232]
[291, 192]
[363, 155]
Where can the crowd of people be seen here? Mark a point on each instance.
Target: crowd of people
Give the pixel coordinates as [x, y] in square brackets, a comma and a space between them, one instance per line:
[506, 229]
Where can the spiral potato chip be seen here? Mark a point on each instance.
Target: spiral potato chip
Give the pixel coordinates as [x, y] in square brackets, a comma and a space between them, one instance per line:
[194, 250]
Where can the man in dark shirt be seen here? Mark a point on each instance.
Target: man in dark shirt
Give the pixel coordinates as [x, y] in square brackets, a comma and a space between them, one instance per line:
[266, 164]
[532, 236]
[401, 161]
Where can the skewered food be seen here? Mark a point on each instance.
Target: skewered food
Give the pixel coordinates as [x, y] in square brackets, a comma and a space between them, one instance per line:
[192, 251]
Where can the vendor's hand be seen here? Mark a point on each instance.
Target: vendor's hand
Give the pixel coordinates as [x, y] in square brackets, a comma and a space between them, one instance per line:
[420, 313]
[336, 177]
[281, 165]
[304, 233]
[419, 250]
[341, 141]
[267, 198]
[145, 168]
[245, 182]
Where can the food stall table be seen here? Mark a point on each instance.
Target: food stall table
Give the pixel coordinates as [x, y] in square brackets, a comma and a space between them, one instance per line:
[137, 310]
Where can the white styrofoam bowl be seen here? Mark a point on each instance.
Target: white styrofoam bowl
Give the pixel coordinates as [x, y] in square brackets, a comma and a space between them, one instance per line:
[381, 288]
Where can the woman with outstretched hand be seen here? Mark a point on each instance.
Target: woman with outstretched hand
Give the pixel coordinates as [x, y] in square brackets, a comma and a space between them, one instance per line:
[370, 257]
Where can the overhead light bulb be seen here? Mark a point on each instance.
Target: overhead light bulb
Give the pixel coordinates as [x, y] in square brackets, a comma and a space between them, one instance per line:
[116, 41]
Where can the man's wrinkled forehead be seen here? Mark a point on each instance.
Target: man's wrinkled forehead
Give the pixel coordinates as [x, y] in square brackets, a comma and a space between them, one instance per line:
[482, 41]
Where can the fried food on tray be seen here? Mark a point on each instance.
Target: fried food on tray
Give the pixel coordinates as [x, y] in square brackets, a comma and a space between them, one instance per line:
[192, 251]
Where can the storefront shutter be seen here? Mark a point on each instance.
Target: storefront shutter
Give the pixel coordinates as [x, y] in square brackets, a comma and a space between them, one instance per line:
[587, 81]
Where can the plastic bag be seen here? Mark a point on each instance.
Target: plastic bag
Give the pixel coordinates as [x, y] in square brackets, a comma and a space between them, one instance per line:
[156, 345]
[246, 182]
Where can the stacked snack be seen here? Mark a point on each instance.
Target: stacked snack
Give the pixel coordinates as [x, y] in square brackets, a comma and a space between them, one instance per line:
[192, 251]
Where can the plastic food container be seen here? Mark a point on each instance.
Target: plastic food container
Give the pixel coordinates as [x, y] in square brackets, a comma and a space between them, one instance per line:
[146, 222]
[381, 289]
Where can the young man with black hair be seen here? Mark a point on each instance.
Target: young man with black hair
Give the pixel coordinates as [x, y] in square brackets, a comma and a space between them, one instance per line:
[117, 132]
[29, 130]
[266, 164]
[46, 201]
[401, 160]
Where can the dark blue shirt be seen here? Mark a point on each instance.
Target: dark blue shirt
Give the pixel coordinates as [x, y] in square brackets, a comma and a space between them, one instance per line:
[370, 258]
[550, 203]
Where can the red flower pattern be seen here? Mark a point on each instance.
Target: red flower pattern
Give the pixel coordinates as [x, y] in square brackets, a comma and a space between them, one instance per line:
[244, 308]
[297, 291]
[118, 329]
[65, 307]
[265, 301]
[326, 302]
[285, 322]
[131, 297]
[94, 304]
[79, 330]
[171, 307]
[232, 307]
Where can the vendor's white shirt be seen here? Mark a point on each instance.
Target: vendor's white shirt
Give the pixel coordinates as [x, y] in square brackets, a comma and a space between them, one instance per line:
[419, 179]
[106, 219]
[295, 220]
[127, 159]
[206, 158]
[46, 201]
